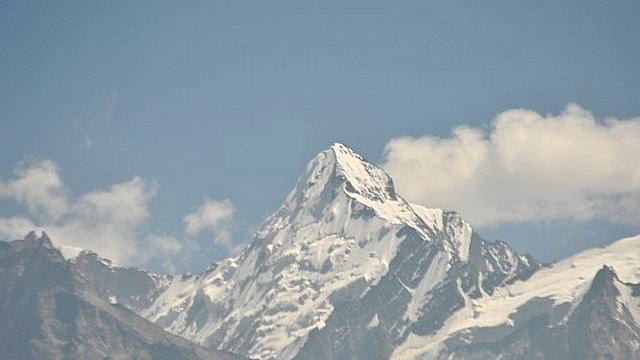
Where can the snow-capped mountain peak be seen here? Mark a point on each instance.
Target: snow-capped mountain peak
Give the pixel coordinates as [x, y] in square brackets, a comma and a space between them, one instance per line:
[339, 172]
[340, 168]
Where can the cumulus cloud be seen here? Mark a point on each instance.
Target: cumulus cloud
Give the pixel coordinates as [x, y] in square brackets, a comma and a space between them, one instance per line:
[163, 248]
[108, 221]
[16, 227]
[39, 188]
[528, 167]
[214, 216]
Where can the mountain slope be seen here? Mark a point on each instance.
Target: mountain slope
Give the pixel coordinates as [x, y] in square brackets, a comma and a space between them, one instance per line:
[48, 312]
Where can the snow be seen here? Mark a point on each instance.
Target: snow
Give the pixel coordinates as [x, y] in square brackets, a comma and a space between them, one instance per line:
[372, 187]
[70, 252]
[375, 321]
[436, 273]
[338, 228]
[628, 301]
[458, 231]
[432, 217]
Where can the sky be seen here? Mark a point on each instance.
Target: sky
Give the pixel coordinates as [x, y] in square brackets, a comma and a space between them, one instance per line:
[161, 134]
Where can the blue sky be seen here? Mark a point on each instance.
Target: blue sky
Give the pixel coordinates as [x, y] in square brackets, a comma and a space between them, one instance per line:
[139, 114]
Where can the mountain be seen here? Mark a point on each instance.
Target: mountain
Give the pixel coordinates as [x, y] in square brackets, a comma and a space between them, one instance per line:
[345, 261]
[348, 269]
[49, 311]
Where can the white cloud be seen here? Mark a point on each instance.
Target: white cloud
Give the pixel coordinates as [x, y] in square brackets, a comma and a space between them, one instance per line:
[124, 204]
[163, 248]
[108, 221]
[214, 216]
[164, 244]
[39, 188]
[15, 227]
[528, 167]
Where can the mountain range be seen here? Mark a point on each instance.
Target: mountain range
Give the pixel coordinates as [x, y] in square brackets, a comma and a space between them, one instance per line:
[344, 269]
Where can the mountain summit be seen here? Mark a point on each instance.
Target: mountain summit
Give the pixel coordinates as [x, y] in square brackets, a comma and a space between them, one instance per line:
[340, 171]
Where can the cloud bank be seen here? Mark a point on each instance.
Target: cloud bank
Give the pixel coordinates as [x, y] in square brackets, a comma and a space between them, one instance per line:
[528, 167]
[109, 221]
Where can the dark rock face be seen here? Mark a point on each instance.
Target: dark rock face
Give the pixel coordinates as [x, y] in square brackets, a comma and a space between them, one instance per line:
[602, 327]
[494, 264]
[134, 287]
[48, 312]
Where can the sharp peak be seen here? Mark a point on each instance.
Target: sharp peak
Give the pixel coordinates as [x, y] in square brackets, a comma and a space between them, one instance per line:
[336, 146]
[341, 167]
[607, 273]
[359, 172]
[343, 152]
[348, 159]
[40, 244]
[43, 239]
[603, 284]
